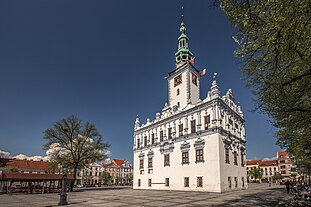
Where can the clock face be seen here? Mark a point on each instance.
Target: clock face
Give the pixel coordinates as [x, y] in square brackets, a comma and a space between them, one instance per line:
[177, 80]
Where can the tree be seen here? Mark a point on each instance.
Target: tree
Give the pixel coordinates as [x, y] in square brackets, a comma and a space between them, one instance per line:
[73, 145]
[274, 39]
[256, 172]
[13, 170]
[129, 177]
[105, 177]
[277, 176]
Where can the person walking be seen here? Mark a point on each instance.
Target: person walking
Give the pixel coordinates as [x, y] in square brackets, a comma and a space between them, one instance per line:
[287, 184]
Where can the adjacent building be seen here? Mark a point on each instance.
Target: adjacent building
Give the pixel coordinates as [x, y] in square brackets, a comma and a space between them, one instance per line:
[24, 166]
[268, 169]
[287, 166]
[250, 165]
[192, 144]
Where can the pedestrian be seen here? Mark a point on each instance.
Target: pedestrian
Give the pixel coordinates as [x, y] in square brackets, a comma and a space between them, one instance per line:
[287, 184]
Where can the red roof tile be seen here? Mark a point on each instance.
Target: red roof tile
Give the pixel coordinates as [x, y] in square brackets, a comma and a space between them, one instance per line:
[119, 162]
[282, 154]
[32, 176]
[269, 163]
[26, 165]
[253, 162]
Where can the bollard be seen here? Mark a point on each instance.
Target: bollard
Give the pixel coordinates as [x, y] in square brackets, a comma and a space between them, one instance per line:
[63, 194]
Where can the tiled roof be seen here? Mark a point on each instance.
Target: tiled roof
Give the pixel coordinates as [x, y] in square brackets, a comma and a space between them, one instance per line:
[269, 163]
[32, 176]
[282, 154]
[25, 164]
[253, 162]
[119, 162]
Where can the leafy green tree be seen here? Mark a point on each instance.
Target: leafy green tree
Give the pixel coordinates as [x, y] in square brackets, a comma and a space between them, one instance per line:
[13, 170]
[129, 177]
[277, 176]
[105, 177]
[74, 145]
[256, 173]
[274, 39]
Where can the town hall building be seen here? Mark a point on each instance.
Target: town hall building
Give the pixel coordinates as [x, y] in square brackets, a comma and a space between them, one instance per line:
[192, 144]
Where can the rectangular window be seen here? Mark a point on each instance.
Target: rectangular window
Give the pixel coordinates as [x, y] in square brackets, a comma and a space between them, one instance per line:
[243, 184]
[177, 80]
[145, 140]
[150, 162]
[242, 159]
[152, 138]
[161, 135]
[229, 182]
[199, 155]
[180, 130]
[149, 182]
[167, 182]
[186, 182]
[185, 157]
[138, 143]
[170, 133]
[193, 126]
[141, 164]
[167, 160]
[194, 79]
[199, 181]
[139, 183]
[236, 182]
[207, 122]
[227, 156]
[235, 158]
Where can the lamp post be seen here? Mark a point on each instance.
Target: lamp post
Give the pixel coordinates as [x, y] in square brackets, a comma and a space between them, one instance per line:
[63, 194]
[307, 151]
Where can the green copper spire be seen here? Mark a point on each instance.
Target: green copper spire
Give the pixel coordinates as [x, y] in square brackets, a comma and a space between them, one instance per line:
[183, 53]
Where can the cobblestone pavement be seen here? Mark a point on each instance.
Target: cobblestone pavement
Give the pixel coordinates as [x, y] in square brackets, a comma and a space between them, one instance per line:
[256, 195]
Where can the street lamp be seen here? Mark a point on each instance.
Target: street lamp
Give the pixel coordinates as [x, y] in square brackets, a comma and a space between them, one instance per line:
[63, 194]
[307, 151]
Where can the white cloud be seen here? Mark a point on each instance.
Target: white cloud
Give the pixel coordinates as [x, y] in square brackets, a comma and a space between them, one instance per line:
[271, 158]
[35, 158]
[4, 154]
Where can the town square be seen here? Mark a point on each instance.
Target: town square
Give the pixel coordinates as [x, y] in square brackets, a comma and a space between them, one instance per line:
[155, 103]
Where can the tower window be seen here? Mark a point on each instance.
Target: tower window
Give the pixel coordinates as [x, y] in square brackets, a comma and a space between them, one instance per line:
[194, 79]
[177, 92]
[177, 80]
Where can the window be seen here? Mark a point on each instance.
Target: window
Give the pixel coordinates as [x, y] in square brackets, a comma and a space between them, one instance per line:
[167, 160]
[141, 164]
[235, 158]
[207, 120]
[186, 182]
[178, 104]
[282, 166]
[177, 80]
[185, 157]
[282, 161]
[177, 92]
[243, 184]
[150, 162]
[236, 182]
[145, 140]
[167, 182]
[229, 182]
[194, 79]
[138, 143]
[161, 135]
[152, 138]
[180, 130]
[149, 182]
[199, 155]
[170, 133]
[199, 181]
[283, 172]
[139, 183]
[227, 156]
[193, 126]
[242, 159]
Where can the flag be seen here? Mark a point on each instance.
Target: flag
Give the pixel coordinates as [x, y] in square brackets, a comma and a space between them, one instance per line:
[192, 61]
[166, 77]
[202, 72]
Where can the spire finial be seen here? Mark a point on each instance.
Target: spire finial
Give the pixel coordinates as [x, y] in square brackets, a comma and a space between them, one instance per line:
[214, 76]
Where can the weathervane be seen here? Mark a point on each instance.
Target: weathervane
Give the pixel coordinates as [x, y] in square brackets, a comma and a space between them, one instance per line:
[182, 13]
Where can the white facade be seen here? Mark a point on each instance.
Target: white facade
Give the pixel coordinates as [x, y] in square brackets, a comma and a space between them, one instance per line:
[193, 144]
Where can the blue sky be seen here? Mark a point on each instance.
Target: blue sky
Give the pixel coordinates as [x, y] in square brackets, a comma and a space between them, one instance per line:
[104, 61]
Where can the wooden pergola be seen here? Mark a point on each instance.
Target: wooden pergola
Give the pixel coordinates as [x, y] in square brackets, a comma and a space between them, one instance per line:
[32, 182]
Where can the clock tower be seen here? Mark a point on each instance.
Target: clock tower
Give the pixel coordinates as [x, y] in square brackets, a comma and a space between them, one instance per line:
[184, 81]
